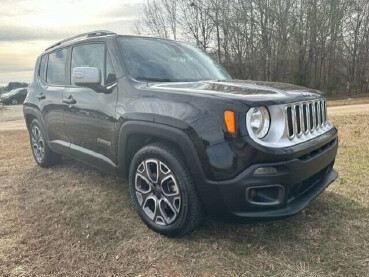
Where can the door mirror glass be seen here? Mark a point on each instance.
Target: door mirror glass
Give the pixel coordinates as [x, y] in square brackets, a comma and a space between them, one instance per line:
[86, 76]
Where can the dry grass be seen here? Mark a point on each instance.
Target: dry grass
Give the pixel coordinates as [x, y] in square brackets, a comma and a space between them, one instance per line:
[347, 101]
[71, 220]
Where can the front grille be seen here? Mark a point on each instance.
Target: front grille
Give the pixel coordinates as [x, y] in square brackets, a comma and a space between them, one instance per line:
[306, 117]
[317, 151]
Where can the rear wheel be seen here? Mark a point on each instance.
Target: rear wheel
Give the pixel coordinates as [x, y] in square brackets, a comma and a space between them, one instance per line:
[14, 101]
[163, 191]
[42, 154]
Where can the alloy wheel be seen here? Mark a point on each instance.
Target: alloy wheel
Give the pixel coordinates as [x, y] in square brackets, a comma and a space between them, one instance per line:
[38, 143]
[157, 192]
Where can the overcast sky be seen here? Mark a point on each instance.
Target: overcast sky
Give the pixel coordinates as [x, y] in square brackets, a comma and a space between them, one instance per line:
[27, 27]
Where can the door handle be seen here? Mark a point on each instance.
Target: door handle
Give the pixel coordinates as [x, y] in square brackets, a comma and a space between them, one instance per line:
[69, 100]
[40, 96]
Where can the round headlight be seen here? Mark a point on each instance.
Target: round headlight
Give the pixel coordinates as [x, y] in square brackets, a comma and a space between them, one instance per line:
[259, 121]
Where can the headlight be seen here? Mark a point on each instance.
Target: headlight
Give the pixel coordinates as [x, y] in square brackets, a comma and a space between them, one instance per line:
[259, 121]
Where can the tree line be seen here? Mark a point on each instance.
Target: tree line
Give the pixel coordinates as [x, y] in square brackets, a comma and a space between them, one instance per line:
[11, 86]
[321, 44]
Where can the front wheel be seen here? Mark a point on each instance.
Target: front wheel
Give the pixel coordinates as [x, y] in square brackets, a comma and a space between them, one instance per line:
[14, 101]
[163, 192]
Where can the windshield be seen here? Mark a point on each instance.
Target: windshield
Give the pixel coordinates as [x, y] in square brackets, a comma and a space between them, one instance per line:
[150, 59]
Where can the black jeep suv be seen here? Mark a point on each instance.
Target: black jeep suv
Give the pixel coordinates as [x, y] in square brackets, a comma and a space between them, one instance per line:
[189, 138]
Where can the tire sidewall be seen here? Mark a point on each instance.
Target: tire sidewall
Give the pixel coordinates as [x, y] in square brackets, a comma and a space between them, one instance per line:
[155, 152]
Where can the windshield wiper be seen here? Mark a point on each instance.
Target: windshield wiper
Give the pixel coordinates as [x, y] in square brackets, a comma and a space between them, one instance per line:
[153, 79]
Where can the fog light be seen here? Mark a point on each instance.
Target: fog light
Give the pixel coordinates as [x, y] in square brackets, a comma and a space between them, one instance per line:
[252, 193]
[265, 170]
[265, 195]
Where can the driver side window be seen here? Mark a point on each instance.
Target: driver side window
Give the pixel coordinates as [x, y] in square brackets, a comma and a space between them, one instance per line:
[93, 55]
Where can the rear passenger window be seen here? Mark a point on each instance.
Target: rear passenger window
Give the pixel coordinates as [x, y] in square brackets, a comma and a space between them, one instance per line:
[43, 66]
[56, 67]
[89, 55]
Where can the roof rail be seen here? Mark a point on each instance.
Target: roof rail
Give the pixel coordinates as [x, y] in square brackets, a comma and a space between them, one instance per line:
[97, 33]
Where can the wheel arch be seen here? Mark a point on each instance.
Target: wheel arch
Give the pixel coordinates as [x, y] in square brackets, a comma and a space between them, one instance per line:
[133, 135]
[29, 115]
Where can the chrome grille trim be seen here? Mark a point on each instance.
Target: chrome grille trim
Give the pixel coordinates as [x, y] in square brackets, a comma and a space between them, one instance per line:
[324, 112]
[307, 118]
[314, 117]
[302, 125]
[315, 110]
[294, 121]
[318, 115]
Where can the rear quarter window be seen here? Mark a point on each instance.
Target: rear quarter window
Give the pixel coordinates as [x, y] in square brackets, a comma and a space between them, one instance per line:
[42, 68]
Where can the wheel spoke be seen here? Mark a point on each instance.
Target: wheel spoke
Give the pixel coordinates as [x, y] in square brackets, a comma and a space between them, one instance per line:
[174, 200]
[42, 152]
[141, 197]
[36, 151]
[152, 170]
[160, 220]
[169, 185]
[142, 184]
[167, 211]
[164, 171]
[35, 133]
[150, 207]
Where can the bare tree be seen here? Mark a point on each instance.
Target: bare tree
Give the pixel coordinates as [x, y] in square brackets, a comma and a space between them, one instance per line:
[317, 43]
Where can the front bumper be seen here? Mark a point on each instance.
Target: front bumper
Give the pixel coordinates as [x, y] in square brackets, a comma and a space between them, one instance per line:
[302, 179]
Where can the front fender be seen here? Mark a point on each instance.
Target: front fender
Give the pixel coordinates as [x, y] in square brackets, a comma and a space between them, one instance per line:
[186, 140]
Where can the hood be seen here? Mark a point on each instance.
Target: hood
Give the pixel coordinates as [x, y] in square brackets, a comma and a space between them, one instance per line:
[249, 92]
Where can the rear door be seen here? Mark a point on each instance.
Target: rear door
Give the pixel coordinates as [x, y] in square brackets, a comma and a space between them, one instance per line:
[90, 116]
[52, 80]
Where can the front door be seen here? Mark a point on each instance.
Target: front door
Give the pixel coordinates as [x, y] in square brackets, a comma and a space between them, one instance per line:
[89, 115]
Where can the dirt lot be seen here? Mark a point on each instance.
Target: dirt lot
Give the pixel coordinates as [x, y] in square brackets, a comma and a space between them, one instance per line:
[10, 113]
[71, 220]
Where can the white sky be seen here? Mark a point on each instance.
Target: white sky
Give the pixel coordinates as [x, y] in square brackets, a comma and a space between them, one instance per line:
[27, 27]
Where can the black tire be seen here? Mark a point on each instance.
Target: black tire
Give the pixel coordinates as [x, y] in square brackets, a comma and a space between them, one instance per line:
[48, 158]
[188, 213]
[14, 102]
